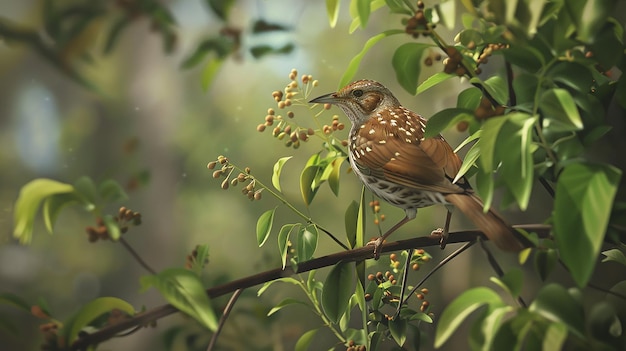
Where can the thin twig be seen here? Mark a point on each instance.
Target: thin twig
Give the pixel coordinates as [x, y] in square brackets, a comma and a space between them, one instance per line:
[227, 309]
[359, 254]
[547, 186]
[435, 269]
[509, 82]
[333, 237]
[136, 256]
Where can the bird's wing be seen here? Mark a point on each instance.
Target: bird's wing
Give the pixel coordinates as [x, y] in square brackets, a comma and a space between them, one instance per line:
[391, 145]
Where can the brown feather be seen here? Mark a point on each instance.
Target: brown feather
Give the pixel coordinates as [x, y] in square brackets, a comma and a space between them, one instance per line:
[393, 144]
[490, 223]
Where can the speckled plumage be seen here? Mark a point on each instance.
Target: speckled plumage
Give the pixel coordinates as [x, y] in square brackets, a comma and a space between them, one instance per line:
[390, 155]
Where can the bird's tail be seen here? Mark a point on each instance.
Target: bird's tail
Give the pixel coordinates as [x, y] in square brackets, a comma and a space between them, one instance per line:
[490, 223]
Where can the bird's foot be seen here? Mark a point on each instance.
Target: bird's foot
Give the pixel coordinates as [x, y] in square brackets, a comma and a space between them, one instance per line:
[378, 245]
[444, 237]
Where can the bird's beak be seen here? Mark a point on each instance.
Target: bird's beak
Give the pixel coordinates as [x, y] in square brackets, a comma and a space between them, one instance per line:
[326, 99]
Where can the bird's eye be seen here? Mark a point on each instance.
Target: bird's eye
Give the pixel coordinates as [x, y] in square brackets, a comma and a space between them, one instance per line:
[357, 93]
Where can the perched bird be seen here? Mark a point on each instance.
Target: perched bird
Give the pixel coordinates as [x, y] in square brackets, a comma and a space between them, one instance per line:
[390, 155]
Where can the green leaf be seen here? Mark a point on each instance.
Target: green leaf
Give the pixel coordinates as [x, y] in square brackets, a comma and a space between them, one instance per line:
[283, 242]
[286, 302]
[488, 142]
[308, 188]
[221, 8]
[407, 63]
[184, 290]
[278, 167]
[332, 10]
[53, 205]
[114, 33]
[363, 10]
[200, 259]
[560, 111]
[28, 201]
[589, 16]
[289, 280]
[511, 281]
[445, 118]
[333, 178]
[307, 242]
[572, 75]
[399, 7]
[496, 87]
[614, 255]
[460, 308]
[469, 160]
[398, 328]
[604, 323]
[525, 56]
[446, 10]
[264, 50]
[112, 227]
[111, 191]
[337, 291]
[306, 339]
[209, 71]
[350, 222]
[485, 187]
[491, 325]
[360, 221]
[506, 141]
[434, 80]
[544, 262]
[14, 300]
[469, 99]
[556, 304]
[264, 226]
[608, 45]
[85, 189]
[91, 311]
[353, 66]
[582, 206]
[555, 336]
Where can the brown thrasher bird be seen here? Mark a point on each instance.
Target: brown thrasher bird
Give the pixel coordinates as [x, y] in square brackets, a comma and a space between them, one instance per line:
[390, 155]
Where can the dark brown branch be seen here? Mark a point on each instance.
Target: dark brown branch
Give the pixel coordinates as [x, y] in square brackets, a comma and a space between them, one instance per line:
[359, 254]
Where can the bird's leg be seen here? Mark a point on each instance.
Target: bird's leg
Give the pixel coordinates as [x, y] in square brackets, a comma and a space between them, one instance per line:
[378, 242]
[446, 229]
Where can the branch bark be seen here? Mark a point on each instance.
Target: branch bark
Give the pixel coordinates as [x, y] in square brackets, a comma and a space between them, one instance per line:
[358, 254]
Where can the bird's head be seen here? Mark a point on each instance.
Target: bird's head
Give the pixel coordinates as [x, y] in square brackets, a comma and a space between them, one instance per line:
[360, 100]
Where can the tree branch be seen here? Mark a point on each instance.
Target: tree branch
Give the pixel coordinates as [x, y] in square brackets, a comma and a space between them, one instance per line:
[359, 254]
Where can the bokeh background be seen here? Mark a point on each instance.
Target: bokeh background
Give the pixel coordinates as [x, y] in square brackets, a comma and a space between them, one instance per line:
[149, 125]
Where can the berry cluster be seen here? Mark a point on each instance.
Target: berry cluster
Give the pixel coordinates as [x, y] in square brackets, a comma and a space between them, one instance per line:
[487, 110]
[284, 127]
[227, 170]
[124, 219]
[418, 24]
[352, 346]
[454, 62]
[431, 58]
[375, 205]
[380, 278]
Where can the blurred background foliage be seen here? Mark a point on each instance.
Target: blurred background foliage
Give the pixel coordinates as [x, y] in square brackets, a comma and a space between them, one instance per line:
[146, 93]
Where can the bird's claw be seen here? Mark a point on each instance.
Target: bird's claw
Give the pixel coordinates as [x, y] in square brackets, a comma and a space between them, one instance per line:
[444, 237]
[378, 244]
